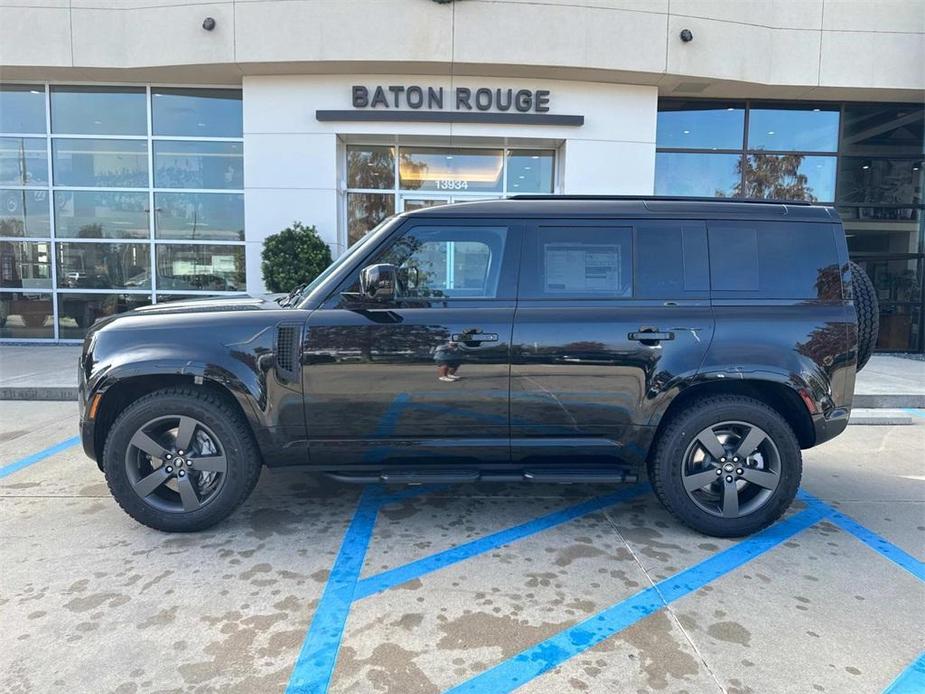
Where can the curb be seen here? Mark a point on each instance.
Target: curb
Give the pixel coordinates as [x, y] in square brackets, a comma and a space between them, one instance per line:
[39, 393]
[880, 402]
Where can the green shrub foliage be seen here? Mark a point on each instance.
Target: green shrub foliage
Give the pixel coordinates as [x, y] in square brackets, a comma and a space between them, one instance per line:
[293, 256]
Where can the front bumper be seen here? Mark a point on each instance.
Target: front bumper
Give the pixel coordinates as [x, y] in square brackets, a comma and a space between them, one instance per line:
[830, 424]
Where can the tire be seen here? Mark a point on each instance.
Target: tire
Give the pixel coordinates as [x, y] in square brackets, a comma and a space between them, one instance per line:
[221, 468]
[868, 310]
[680, 458]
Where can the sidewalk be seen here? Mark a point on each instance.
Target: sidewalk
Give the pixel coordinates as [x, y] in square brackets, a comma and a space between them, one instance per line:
[39, 372]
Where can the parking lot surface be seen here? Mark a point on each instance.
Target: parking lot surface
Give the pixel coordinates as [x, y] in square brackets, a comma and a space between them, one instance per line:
[481, 588]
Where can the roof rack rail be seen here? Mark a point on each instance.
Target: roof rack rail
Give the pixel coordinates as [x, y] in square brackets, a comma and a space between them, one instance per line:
[657, 198]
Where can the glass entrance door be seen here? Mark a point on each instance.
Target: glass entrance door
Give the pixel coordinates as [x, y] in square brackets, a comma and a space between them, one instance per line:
[416, 201]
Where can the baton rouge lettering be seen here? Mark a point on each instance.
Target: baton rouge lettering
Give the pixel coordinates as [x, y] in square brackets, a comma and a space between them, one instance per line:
[459, 99]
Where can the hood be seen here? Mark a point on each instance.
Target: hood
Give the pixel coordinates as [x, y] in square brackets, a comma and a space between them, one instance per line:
[208, 305]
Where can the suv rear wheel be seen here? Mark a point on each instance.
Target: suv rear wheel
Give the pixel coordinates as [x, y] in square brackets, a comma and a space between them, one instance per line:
[180, 460]
[727, 466]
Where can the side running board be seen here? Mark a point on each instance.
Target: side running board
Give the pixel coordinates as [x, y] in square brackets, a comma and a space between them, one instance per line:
[543, 476]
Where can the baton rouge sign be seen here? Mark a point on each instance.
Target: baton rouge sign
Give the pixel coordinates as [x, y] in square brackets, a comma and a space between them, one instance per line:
[408, 103]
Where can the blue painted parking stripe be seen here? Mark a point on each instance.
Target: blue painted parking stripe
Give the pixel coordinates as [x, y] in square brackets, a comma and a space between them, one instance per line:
[877, 543]
[315, 664]
[416, 569]
[916, 411]
[36, 457]
[911, 680]
[546, 655]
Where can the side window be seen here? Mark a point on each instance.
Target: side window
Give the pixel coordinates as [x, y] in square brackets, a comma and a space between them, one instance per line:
[577, 261]
[447, 262]
[773, 260]
[671, 260]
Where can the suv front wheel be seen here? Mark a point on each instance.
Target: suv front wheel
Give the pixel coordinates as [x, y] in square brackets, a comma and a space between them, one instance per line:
[180, 460]
[727, 466]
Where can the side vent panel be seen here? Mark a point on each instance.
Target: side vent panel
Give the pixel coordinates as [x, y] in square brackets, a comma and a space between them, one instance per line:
[286, 349]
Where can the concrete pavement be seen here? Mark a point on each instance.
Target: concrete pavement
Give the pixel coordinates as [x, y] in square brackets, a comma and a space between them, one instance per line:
[92, 602]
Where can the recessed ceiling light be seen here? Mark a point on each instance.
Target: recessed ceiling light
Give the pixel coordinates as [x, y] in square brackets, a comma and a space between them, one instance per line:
[730, 109]
[535, 156]
[449, 156]
[816, 110]
[527, 168]
[770, 132]
[686, 132]
[521, 177]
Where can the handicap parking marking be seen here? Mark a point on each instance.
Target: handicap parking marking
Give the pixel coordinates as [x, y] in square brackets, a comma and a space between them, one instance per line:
[415, 569]
[911, 680]
[877, 543]
[38, 457]
[918, 412]
[546, 655]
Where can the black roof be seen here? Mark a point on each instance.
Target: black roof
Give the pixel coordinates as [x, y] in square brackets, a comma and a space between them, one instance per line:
[616, 206]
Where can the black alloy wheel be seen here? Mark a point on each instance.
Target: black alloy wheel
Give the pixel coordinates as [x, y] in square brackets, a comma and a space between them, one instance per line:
[726, 465]
[181, 459]
[175, 464]
[731, 469]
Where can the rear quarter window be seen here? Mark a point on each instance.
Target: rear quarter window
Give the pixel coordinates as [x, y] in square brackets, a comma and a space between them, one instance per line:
[773, 260]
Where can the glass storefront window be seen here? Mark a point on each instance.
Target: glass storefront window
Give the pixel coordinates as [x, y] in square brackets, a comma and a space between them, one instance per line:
[24, 213]
[472, 170]
[78, 236]
[22, 108]
[697, 174]
[881, 181]
[370, 166]
[104, 265]
[197, 112]
[700, 124]
[530, 171]
[900, 328]
[25, 264]
[198, 164]
[793, 129]
[200, 267]
[411, 204]
[365, 211]
[199, 216]
[884, 130]
[26, 315]
[103, 163]
[98, 111]
[23, 161]
[77, 312]
[101, 215]
[790, 177]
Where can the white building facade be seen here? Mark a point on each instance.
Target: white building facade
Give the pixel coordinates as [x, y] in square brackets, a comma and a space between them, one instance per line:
[148, 148]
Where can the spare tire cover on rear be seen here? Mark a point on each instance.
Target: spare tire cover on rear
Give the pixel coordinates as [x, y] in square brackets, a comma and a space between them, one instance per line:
[868, 310]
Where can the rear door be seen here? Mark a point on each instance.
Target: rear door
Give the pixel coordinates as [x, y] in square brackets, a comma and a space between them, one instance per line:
[611, 316]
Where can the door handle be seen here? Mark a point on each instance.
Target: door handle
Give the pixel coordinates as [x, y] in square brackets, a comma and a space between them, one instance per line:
[474, 338]
[651, 336]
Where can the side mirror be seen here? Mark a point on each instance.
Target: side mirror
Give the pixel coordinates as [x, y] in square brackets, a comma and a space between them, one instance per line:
[379, 282]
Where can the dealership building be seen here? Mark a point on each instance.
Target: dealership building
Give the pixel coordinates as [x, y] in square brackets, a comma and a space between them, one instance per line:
[147, 147]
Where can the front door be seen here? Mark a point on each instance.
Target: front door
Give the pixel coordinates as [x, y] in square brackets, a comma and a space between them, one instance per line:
[611, 316]
[425, 378]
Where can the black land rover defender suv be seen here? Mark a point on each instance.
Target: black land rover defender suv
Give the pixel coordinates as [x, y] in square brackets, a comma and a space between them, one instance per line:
[544, 339]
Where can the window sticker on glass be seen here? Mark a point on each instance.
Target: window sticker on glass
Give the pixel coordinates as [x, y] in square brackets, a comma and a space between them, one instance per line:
[583, 268]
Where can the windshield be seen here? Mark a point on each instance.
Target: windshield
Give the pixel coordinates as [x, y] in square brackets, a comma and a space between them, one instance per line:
[357, 248]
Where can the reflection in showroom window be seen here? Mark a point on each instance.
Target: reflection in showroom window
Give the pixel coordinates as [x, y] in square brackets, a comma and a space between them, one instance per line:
[212, 268]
